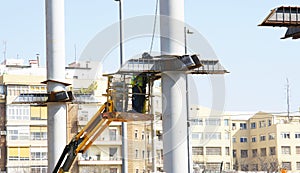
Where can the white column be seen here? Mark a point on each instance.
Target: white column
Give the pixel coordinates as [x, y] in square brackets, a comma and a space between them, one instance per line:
[175, 144]
[55, 47]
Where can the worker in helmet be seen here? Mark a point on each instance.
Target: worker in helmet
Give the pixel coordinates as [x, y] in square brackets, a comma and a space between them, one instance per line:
[138, 93]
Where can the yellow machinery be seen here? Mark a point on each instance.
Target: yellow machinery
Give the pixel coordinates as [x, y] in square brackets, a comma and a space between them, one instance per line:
[101, 120]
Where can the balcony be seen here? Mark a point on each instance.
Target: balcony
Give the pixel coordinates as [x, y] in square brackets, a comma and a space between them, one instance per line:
[97, 160]
[16, 163]
[108, 142]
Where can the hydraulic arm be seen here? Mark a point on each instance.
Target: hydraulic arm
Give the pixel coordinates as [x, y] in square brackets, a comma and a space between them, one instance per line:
[84, 138]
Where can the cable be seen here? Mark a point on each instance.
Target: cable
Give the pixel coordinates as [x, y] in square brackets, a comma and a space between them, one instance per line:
[154, 26]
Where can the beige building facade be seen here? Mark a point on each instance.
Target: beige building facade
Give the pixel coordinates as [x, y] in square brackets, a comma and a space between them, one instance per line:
[267, 142]
[210, 138]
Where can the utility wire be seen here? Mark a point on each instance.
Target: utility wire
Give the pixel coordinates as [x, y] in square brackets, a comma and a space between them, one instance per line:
[154, 27]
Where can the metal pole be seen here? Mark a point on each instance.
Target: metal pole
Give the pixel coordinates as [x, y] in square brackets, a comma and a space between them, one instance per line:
[186, 31]
[55, 48]
[153, 129]
[174, 89]
[185, 46]
[124, 125]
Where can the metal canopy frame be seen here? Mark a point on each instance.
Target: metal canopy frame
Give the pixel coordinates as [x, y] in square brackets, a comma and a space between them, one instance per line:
[158, 64]
[285, 16]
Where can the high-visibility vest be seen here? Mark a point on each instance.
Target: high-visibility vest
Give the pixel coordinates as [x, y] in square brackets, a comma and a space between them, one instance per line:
[137, 80]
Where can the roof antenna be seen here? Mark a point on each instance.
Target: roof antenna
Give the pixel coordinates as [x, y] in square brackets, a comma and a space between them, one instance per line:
[288, 97]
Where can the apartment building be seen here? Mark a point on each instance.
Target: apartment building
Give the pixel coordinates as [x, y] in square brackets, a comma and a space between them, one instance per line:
[210, 136]
[266, 142]
[23, 144]
[105, 153]
[23, 125]
[145, 139]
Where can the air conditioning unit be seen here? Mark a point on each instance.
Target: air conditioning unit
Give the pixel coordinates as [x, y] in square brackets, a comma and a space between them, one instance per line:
[2, 96]
[2, 132]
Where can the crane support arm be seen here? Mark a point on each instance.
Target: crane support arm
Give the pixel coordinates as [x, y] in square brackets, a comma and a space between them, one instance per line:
[84, 138]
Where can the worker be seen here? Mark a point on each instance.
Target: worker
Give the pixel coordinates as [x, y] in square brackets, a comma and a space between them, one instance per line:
[138, 93]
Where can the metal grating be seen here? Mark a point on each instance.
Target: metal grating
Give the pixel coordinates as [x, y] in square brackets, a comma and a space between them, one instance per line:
[159, 64]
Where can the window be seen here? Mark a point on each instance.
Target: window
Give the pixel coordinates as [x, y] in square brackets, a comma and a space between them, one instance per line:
[113, 170]
[233, 153]
[254, 167]
[213, 151]
[298, 165]
[212, 121]
[254, 152]
[264, 166]
[143, 154]
[113, 153]
[38, 155]
[135, 134]
[253, 125]
[38, 133]
[243, 126]
[226, 122]
[197, 136]
[271, 136]
[143, 135]
[297, 149]
[263, 152]
[262, 124]
[297, 135]
[18, 112]
[243, 139]
[234, 140]
[233, 126]
[112, 134]
[213, 135]
[244, 153]
[227, 151]
[285, 135]
[227, 135]
[38, 169]
[18, 153]
[285, 150]
[287, 165]
[253, 139]
[269, 122]
[197, 121]
[18, 132]
[136, 170]
[272, 151]
[262, 137]
[244, 167]
[136, 153]
[197, 150]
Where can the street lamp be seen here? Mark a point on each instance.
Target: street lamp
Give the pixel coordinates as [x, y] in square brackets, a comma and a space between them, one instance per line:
[124, 125]
[120, 31]
[186, 31]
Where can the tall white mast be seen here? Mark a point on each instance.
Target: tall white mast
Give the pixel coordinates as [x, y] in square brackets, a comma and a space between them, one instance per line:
[175, 144]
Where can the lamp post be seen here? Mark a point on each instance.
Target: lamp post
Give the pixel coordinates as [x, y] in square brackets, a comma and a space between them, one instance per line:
[120, 31]
[187, 31]
[124, 125]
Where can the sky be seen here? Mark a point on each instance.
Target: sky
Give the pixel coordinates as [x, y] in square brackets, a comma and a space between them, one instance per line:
[258, 60]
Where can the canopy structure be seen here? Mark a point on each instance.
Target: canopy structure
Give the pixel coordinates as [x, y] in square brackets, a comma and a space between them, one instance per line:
[191, 64]
[285, 17]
